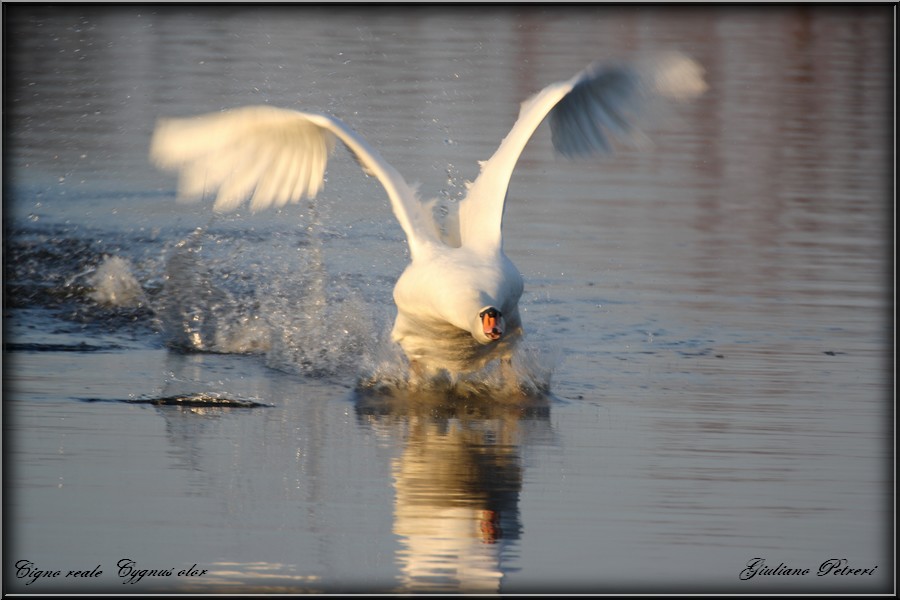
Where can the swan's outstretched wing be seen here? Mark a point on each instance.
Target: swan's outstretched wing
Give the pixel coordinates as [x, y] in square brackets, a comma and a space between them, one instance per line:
[274, 156]
[596, 105]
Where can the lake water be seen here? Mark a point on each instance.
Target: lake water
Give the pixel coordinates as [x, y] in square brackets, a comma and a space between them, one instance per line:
[717, 311]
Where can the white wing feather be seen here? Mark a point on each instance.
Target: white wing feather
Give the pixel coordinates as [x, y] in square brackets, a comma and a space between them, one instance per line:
[274, 156]
[585, 112]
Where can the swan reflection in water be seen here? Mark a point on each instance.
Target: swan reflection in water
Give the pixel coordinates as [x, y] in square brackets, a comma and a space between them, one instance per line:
[457, 482]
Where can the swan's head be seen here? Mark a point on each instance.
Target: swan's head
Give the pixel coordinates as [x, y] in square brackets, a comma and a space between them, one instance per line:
[492, 323]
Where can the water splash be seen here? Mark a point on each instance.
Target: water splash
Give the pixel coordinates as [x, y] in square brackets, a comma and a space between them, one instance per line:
[196, 313]
[307, 321]
[316, 328]
[114, 284]
[284, 305]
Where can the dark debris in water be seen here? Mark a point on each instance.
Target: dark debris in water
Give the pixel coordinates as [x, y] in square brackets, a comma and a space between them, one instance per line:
[201, 400]
[195, 400]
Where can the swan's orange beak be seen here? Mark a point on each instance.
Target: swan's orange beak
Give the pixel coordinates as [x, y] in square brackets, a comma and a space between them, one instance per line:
[490, 322]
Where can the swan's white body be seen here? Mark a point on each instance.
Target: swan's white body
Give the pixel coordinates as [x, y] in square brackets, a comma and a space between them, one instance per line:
[457, 275]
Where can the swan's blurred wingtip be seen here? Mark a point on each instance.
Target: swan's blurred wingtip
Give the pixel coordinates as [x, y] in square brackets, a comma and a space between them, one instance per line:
[164, 145]
[678, 76]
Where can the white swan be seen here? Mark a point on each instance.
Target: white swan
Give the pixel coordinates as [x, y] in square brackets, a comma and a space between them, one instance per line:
[457, 300]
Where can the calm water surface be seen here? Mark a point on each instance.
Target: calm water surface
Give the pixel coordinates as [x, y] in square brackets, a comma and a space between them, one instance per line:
[715, 310]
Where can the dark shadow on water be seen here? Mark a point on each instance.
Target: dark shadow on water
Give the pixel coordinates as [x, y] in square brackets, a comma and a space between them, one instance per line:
[457, 481]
